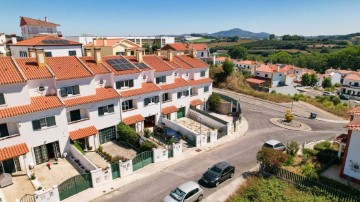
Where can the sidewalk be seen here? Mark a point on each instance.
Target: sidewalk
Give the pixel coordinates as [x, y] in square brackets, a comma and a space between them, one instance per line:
[93, 193]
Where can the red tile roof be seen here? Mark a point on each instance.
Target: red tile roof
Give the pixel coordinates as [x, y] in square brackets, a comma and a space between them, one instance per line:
[353, 76]
[38, 41]
[169, 110]
[178, 83]
[200, 81]
[31, 69]
[181, 63]
[172, 63]
[39, 103]
[133, 119]
[193, 62]
[9, 74]
[83, 132]
[354, 111]
[197, 46]
[145, 88]
[157, 63]
[68, 67]
[184, 47]
[13, 151]
[354, 125]
[101, 95]
[112, 43]
[93, 66]
[38, 22]
[196, 102]
[254, 80]
[222, 58]
[118, 72]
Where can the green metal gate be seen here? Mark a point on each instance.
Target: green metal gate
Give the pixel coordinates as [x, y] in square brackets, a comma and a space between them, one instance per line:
[107, 134]
[115, 170]
[74, 185]
[181, 112]
[28, 198]
[141, 160]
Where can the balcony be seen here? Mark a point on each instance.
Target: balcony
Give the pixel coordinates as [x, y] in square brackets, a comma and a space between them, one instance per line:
[351, 86]
[9, 130]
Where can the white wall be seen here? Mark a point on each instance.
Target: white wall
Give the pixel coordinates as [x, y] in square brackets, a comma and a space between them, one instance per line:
[86, 86]
[353, 156]
[204, 52]
[34, 85]
[277, 79]
[12, 93]
[126, 168]
[56, 51]
[169, 76]
[197, 73]
[88, 165]
[27, 32]
[160, 154]
[136, 77]
[100, 176]
[190, 134]
[51, 194]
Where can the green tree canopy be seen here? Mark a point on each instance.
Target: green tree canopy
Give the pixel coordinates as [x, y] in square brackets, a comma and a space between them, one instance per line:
[271, 36]
[238, 52]
[281, 57]
[313, 79]
[326, 83]
[228, 68]
[305, 80]
[214, 101]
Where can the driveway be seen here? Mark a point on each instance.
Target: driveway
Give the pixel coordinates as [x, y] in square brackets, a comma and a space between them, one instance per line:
[240, 152]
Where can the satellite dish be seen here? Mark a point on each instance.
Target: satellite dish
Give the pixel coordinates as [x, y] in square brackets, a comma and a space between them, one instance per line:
[53, 91]
[41, 88]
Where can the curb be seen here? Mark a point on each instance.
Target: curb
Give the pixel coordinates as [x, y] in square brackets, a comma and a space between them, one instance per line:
[304, 127]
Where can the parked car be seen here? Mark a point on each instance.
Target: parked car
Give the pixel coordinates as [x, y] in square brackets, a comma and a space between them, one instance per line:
[344, 97]
[166, 133]
[189, 192]
[274, 144]
[218, 173]
[327, 93]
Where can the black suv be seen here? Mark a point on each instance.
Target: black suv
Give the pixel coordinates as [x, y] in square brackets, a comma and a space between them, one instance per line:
[167, 133]
[218, 173]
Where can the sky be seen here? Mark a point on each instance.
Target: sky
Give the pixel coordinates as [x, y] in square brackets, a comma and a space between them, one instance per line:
[164, 17]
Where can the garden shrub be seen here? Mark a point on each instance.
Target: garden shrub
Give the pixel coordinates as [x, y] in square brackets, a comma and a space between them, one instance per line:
[322, 146]
[271, 157]
[309, 170]
[293, 148]
[289, 117]
[309, 152]
[117, 158]
[289, 161]
[147, 146]
[128, 134]
[214, 102]
[147, 133]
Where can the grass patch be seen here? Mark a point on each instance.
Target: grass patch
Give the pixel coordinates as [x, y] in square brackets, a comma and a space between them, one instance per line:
[202, 40]
[221, 44]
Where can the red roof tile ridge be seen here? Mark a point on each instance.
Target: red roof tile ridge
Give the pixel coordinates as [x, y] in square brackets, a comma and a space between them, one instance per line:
[165, 62]
[185, 61]
[18, 68]
[86, 67]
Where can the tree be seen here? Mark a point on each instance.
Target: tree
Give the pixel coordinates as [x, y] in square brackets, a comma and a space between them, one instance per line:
[271, 36]
[128, 134]
[313, 79]
[214, 102]
[281, 57]
[326, 83]
[155, 47]
[238, 52]
[271, 156]
[228, 68]
[293, 148]
[289, 117]
[305, 80]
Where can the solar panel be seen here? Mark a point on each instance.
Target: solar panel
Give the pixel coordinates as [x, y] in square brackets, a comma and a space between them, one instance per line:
[141, 65]
[120, 64]
[62, 42]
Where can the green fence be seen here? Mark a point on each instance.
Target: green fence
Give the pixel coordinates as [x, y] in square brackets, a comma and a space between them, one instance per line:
[336, 194]
[141, 160]
[170, 153]
[74, 185]
[28, 198]
[115, 170]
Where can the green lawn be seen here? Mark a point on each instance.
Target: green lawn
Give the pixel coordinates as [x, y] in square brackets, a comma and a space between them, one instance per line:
[202, 40]
[274, 189]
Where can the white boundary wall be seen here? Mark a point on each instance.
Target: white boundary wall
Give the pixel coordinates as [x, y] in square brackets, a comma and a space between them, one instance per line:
[160, 155]
[191, 135]
[101, 176]
[177, 149]
[126, 168]
[88, 165]
[51, 194]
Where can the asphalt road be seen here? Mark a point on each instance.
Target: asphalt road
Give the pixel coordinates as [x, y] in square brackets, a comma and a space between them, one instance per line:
[240, 152]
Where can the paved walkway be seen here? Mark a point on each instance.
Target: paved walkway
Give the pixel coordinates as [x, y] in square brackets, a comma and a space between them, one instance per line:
[96, 159]
[334, 173]
[153, 168]
[21, 187]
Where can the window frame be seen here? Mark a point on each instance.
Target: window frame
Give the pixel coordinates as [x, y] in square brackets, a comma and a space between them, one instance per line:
[2, 98]
[106, 110]
[44, 123]
[165, 95]
[160, 79]
[72, 51]
[151, 100]
[203, 73]
[124, 84]
[48, 54]
[206, 89]
[127, 105]
[70, 90]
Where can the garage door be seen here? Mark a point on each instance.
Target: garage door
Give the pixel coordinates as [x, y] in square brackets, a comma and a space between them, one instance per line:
[107, 134]
[181, 112]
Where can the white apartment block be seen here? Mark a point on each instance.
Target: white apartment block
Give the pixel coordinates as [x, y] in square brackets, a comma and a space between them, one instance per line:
[47, 102]
[35, 27]
[2, 45]
[351, 85]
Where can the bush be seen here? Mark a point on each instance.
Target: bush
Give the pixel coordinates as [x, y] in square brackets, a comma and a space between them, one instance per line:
[147, 146]
[271, 157]
[322, 146]
[337, 85]
[289, 161]
[117, 158]
[128, 134]
[32, 176]
[309, 152]
[78, 147]
[325, 152]
[289, 116]
[309, 170]
[273, 92]
[293, 148]
[214, 101]
[147, 133]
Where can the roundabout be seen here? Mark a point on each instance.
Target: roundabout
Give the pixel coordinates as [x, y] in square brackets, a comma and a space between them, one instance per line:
[293, 125]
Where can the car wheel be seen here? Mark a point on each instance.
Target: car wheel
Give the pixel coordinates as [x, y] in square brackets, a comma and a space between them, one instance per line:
[232, 175]
[200, 197]
[217, 184]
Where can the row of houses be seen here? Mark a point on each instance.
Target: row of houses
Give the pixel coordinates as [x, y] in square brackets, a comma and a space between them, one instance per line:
[47, 102]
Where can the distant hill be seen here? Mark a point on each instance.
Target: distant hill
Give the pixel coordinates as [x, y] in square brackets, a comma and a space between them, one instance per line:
[241, 33]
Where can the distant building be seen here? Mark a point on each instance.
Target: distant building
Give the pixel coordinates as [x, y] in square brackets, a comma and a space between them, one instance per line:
[247, 65]
[202, 52]
[111, 46]
[35, 27]
[2, 45]
[342, 72]
[53, 47]
[334, 76]
[351, 85]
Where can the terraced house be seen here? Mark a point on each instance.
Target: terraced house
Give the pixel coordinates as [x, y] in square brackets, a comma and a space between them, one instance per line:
[47, 102]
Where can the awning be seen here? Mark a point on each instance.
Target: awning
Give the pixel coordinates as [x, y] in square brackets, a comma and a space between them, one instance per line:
[256, 81]
[169, 110]
[196, 102]
[13, 151]
[83, 132]
[133, 119]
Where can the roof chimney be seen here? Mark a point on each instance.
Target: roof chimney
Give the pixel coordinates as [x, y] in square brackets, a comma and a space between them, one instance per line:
[87, 52]
[32, 52]
[46, 19]
[94, 42]
[139, 55]
[104, 42]
[127, 51]
[193, 53]
[97, 54]
[40, 57]
[2, 54]
[13, 39]
[170, 55]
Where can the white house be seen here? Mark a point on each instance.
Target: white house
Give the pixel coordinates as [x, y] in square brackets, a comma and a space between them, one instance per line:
[351, 85]
[202, 52]
[53, 47]
[247, 65]
[334, 76]
[2, 45]
[35, 27]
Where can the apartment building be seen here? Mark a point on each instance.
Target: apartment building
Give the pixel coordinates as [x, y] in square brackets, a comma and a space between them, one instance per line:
[2, 45]
[47, 102]
[201, 49]
[35, 27]
[111, 46]
[351, 85]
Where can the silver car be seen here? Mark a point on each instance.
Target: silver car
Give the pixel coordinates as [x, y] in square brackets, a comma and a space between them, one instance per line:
[189, 192]
[274, 144]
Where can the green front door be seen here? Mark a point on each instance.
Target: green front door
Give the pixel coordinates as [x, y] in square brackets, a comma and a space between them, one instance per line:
[9, 166]
[181, 112]
[107, 134]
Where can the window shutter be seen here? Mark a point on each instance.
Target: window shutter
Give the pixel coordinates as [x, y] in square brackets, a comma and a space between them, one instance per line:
[122, 84]
[157, 80]
[179, 95]
[156, 99]
[187, 93]
[131, 83]
[164, 79]
[146, 101]
[111, 108]
[118, 86]
[36, 125]
[101, 111]
[63, 92]
[76, 90]
[2, 99]
[51, 121]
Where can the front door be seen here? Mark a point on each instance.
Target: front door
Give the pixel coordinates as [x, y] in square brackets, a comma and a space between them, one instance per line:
[181, 112]
[9, 166]
[45, 152]
[107, 134]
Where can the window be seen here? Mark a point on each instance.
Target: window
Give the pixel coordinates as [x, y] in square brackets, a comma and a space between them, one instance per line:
[266, 75]
[34, 30]
[202, 54]
[48, 54]
[257, 73]
[120, 53]
[126, 105]
[23, 54]
[280, 74]
[75, 115]
[49, 30]
[43, 123]
[71, 53]
[202, 74]
[193, 91]
[105, 110]
[165, 97]
[71, 90]
[125, 83]
[160, 79]
[206, 89]
[191, 193]
[3, 130]
[150, 100]
[183, 93]
[2, 99]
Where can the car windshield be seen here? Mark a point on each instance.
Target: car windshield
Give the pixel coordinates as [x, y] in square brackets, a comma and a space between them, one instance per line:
[215, 170]
[177, 194]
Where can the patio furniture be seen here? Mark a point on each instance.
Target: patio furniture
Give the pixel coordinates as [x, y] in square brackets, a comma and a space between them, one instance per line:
[5, 180]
